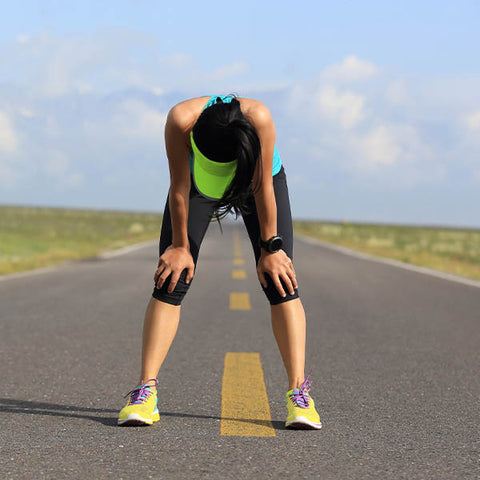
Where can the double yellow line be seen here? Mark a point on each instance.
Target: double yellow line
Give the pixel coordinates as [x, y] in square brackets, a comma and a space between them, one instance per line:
[245, 408]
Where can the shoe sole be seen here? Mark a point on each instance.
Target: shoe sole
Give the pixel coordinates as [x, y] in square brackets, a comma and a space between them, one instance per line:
[136, 420]
[302, 423]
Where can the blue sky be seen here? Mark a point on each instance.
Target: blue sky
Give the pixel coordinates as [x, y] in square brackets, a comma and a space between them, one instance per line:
[377, 104]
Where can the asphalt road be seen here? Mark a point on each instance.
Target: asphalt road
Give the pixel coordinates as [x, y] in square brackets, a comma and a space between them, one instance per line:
[395, 358]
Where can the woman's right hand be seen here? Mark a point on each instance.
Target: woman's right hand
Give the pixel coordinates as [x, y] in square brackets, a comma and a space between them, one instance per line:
[174, 261]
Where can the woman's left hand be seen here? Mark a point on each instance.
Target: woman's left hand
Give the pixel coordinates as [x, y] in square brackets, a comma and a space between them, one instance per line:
[278, 266]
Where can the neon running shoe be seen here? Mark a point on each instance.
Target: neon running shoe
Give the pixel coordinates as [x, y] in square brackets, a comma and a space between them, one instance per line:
[141, 408]
[301, 408]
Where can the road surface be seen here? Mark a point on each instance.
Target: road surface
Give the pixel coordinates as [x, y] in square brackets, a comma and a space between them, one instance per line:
[394, 353]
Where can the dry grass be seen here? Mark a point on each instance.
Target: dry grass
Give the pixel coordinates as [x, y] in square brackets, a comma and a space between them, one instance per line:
[40, 237]
[447, 249]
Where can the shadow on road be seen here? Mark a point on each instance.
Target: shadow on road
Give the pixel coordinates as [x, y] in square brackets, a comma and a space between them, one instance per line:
[12, 405]
[277, 424]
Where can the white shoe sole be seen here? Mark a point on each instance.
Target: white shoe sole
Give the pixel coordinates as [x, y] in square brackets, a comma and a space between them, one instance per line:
[301, 423]
[136, 419]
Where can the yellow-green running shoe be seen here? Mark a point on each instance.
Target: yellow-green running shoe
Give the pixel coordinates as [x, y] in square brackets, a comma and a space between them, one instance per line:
[301, 408]
[141, 408]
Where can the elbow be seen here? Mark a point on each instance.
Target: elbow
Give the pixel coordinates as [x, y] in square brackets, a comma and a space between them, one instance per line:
[180, 183]
[265, 189]
[179, 193]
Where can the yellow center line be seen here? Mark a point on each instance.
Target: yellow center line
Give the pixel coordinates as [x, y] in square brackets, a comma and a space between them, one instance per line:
[237, 245]
[238, 273]
[245, 408]
[237, 253]
[240, 301]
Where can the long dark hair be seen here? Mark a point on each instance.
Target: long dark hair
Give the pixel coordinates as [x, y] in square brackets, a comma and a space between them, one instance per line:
[222, 133]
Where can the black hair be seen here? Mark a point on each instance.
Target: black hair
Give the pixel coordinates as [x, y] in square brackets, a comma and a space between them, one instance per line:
[222, 133]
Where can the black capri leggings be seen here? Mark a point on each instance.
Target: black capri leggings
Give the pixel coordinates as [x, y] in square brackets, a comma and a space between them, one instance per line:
[201, 211]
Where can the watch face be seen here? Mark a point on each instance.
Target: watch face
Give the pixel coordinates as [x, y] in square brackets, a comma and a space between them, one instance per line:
[276, 244]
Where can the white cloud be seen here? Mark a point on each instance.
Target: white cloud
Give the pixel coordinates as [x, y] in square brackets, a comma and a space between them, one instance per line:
[395, 155]
[137, 120]
[129, 127]
[354, 133]
[54, 66]
[229, 70]
[378, 147]
[107, 61]
[26, 112]
[345, 107]
[343, 123]
[396, 93]
[58, 166]
[23, 38]
[351, 69]
[75, 179]
[8, 173]
[8, 137]
[84, 87]
[472, 121]
[178, 60]
[52, 127]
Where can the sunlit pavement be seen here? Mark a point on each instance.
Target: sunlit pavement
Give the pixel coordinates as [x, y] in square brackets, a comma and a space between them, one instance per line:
[394, 354]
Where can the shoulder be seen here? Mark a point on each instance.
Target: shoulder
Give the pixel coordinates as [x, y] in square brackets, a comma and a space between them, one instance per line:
[183, 115]
[257, 112]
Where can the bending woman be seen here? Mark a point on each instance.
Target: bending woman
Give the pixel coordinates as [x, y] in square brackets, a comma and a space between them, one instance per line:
[222, 157]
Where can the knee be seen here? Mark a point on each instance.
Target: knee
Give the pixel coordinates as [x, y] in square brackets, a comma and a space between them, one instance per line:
[176, 297]
[273, 295]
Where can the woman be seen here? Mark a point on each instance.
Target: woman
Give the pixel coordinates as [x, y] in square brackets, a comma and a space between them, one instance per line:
[222, 157]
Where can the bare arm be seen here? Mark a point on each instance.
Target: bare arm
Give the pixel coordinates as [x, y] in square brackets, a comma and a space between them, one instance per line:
[176, 144]
[177, 257]
[277, 265]
[265, 197]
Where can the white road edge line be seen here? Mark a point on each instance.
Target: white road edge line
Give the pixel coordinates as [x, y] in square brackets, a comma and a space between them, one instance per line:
[103, 256]
[395, 263]
[127, 249]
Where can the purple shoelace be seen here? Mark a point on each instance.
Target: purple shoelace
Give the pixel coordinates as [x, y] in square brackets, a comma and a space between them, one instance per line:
[300, 395]
[141, 393]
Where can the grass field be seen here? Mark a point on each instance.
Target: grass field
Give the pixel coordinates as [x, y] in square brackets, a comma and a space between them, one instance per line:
[39, 237]
[447, 249]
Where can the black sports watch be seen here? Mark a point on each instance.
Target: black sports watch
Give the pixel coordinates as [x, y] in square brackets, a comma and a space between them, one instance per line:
[272, 245]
